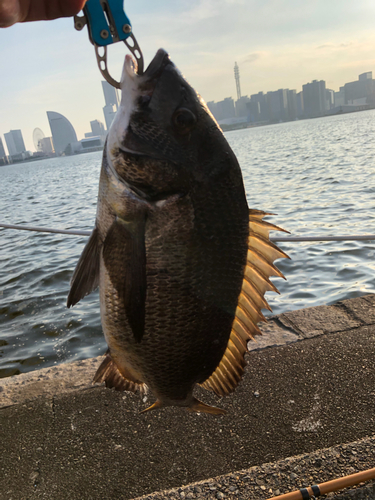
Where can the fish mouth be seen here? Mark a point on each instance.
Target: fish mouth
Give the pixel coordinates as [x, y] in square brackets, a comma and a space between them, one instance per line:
[158, 64]
[154, 69]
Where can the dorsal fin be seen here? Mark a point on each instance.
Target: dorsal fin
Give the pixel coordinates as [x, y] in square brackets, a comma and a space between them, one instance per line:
[261, 255]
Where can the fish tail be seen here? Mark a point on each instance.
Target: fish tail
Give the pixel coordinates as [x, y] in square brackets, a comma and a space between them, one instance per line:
[195, 405]
[155, 406]
[200, 407]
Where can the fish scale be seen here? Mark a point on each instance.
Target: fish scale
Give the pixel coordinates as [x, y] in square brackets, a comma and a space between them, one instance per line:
[181, 263]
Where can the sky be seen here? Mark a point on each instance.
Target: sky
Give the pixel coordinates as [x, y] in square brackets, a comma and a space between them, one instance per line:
[49, 66]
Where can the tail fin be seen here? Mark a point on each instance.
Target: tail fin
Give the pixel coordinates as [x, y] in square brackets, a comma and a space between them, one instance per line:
[200, 407]
[196, 406]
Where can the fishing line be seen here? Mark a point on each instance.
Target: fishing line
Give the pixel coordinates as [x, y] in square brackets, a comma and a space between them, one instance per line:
[359, 237]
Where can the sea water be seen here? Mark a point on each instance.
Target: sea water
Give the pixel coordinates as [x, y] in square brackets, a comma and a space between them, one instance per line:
[316, 175]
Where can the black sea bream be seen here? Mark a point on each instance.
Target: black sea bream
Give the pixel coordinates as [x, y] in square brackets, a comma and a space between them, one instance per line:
[181, 282]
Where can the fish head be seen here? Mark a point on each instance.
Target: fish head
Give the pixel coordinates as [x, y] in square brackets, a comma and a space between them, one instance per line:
[163, 136]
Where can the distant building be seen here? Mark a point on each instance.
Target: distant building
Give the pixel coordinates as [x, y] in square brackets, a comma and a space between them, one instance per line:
[361, 91]
[258, 108]
[225, 109]
[97, 128]
[292, 104]
[339, 97]
[62, 130]
[111, 103]
[212, 107]
[3, 156]
[2, 150]
[330, 99]
[109, 114]
[277, 105]
[240, 106]
[15, 143]
[92, 142]
[222, 109]
[46, 145]
[314, 98]
[300, 105]
[110, 94]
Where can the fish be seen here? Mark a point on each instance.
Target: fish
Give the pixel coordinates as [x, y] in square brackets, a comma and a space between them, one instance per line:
[181, 263]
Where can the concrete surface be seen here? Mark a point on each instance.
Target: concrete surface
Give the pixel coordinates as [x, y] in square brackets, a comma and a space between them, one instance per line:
[309, 385]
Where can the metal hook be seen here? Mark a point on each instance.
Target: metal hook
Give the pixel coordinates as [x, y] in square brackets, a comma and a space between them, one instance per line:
[102, 60]
[107, 23]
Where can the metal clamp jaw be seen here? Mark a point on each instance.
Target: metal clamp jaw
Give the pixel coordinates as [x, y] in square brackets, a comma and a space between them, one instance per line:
[107, 23]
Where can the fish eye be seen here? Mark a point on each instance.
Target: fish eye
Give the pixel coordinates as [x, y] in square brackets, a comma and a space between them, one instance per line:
[184, 120]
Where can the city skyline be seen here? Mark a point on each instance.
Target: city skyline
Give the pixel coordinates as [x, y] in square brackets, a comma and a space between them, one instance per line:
[111, 99]
[274, 48]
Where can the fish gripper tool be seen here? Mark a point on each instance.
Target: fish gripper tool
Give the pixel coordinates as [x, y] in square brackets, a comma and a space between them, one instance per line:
[107, 23]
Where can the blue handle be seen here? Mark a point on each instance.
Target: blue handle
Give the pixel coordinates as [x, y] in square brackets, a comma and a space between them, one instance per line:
[106, 21]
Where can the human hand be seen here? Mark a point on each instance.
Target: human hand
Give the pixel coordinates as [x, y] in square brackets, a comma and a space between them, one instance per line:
[19, 11]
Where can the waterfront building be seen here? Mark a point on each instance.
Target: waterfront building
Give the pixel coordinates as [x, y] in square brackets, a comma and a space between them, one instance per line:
[225, 109]
[362, 91]
[97, 128]
[222, 109]
[46, 145]
[300, 106]
[62, 130]
[253, 111]
[15, 143]
[314, 98]
[258, 108]
[212, 107]
[330, 99]
[2, 150]
[3, 157]
[240, 106]
[292, 104]
[339, 97]
[277, 105]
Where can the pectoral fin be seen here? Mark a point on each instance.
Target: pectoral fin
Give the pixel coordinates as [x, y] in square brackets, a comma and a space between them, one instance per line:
[124, 254]
[86, 274]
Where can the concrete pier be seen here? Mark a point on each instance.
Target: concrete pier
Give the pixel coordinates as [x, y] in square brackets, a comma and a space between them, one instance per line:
[303, 414]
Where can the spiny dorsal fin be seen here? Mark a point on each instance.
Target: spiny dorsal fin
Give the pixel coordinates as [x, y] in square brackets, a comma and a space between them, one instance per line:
[109, 373]
[260, 257]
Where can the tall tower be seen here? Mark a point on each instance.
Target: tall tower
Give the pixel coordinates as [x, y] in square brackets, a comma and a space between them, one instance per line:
[15, 142]
[237, 78]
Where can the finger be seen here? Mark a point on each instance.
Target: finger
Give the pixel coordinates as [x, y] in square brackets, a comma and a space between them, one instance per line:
[10, 12]
[39, 10]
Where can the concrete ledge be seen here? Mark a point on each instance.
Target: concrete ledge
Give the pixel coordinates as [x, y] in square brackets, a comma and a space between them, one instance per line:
[309, 386]
[268, 480]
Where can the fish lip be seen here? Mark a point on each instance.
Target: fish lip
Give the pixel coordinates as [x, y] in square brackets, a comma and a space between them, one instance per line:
[157, 65]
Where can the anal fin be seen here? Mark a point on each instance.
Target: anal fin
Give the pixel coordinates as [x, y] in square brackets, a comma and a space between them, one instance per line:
[123, 380]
